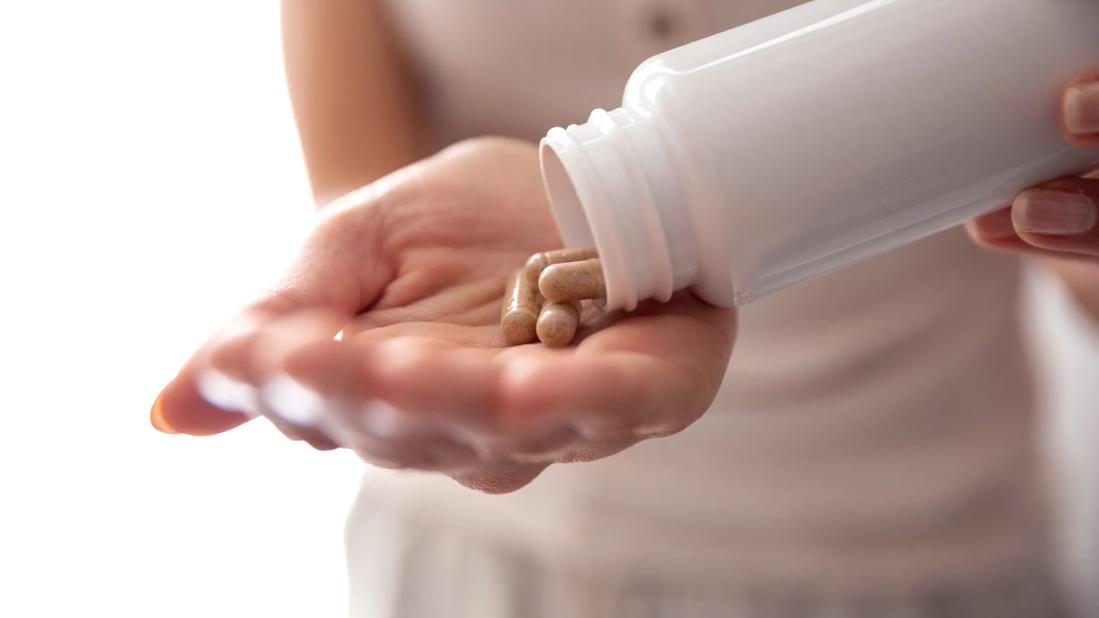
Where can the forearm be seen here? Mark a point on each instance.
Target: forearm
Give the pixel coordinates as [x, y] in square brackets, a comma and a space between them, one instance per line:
[354, 102]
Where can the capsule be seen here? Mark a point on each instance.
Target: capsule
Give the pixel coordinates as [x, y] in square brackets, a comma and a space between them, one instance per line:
[557, 323]
[519, 314]
[562, 283]
[539, 261]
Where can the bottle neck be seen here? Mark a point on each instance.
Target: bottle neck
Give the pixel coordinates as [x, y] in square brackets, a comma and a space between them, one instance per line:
[612, 185]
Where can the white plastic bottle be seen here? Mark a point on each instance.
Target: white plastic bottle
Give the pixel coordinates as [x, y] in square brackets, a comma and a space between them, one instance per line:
[817, 137]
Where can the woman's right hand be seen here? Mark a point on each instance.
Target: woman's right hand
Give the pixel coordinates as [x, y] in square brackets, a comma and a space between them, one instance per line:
[411, 270]
[1058, 222]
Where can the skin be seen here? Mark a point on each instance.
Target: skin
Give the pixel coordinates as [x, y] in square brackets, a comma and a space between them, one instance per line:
[411, 267]
[359, 118]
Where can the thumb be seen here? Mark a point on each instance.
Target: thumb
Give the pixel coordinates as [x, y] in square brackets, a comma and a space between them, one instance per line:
[336, 270]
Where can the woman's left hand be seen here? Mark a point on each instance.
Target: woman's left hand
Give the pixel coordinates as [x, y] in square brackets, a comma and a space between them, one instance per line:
[411, 272]
[1059, 220]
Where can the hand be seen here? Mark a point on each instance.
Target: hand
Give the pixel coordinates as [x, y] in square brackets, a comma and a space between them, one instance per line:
[1058, 221]
[410, 270]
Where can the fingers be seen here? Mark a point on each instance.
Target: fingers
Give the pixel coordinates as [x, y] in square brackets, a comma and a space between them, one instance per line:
[1080, 111]
[315, 388]
[250, 365]
[409, 402]
[1060, 218]
[490, 419]
[404, 402]
[181, 407]
[417, 403]
[435, 400]
[336, 271]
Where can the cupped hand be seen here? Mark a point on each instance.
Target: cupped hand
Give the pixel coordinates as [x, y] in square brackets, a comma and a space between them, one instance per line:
[384, 337]
[1059, 220]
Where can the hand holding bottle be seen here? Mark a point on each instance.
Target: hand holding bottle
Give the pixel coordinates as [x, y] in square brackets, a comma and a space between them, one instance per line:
[1059, 220]
[411, 270]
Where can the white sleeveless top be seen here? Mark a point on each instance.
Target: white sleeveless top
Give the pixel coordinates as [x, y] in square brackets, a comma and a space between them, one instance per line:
[870, 453]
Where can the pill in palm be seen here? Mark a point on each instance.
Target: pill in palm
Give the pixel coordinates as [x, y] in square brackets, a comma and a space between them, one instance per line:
[539, 261]
[519, 315]
[573, 281]
[557, 323]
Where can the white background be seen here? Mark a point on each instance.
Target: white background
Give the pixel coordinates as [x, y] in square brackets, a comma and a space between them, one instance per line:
[150, 181]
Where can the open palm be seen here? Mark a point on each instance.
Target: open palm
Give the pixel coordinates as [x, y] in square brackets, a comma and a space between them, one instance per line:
[410, 272]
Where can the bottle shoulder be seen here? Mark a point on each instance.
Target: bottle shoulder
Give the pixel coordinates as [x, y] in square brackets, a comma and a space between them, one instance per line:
[651, 84]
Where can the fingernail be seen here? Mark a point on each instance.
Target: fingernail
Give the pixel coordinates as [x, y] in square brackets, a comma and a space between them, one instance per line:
[227, 393]
[156, 416]
[1060, 213]
[1082, 109]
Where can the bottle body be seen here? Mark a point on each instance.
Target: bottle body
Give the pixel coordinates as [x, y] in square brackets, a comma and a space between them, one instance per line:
[793, 146]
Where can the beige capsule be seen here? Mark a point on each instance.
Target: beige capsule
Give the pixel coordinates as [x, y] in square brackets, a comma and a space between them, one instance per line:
[519, 314]
[539, 261]
[557, 323]
[562, 283]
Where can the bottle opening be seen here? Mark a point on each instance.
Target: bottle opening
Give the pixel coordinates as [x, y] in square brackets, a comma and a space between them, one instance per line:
[568, 212]
[573, 190]
[601, 198]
